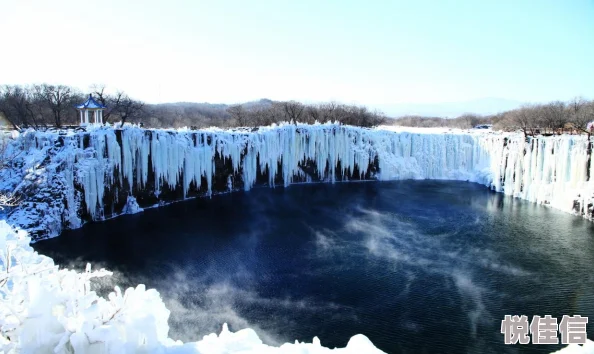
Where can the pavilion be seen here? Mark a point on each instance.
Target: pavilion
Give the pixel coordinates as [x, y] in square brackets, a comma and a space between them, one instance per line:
[91, 108]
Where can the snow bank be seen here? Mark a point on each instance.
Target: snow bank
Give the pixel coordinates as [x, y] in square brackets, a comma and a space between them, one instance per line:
[587, 348]
[44, 309]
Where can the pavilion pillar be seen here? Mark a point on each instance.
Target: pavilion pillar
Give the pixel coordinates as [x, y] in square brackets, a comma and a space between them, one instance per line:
[91, 112]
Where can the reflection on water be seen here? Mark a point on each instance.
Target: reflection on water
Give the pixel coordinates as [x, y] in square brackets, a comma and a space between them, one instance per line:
[417, 266]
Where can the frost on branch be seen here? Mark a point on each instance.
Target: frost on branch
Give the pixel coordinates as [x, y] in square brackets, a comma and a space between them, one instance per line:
[9, 200]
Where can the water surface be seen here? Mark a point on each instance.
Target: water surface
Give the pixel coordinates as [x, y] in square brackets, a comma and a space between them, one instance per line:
[417, 266]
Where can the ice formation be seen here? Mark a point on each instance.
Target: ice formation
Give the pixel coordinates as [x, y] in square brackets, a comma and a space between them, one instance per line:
[99, 170]
[131, 206]
[551, 171]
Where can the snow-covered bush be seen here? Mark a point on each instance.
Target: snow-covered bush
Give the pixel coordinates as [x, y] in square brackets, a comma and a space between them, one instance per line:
[47, 309]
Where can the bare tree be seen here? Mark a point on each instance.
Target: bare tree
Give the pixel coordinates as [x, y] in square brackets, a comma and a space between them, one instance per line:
[313, 114]
[239, 115]
[265, 116]
[99, 92]
[104, 99]
[129, 109]
[58, 98]
[16, 104]
[118, 105]
[470, 120]
[554, 115]
[293, 110]
[328, 111]
[523, 118]
[581, 112]
[112, 103]
[576, 104]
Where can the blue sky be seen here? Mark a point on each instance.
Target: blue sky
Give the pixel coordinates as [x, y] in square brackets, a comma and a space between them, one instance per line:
[367, 52]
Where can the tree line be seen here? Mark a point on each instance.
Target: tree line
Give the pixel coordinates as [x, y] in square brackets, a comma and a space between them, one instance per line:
[465, 121]
[548, 118]
[45, 105]
[257, 113]
[292, 111]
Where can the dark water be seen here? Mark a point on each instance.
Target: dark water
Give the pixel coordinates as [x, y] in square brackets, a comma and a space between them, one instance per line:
[417, 266]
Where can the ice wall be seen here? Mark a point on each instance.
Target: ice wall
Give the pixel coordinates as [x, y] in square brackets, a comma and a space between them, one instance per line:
[158, 159]
[98, 171]
[554, 171]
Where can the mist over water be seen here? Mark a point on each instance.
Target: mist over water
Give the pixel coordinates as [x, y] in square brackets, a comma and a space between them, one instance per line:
[417, 266]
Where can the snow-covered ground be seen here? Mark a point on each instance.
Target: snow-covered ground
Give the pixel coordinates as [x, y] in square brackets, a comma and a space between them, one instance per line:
[69, 176]
[587, 348]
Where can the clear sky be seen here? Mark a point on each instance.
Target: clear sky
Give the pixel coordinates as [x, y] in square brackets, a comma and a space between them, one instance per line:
[369, 52]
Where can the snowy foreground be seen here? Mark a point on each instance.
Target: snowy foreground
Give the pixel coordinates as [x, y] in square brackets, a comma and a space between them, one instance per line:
[44, 309]
[587, 348]
[71, 178]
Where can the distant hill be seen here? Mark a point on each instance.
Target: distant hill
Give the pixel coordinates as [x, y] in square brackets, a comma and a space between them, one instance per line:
[198, 114]
[203, 105]
[262, 103]
[483, 106]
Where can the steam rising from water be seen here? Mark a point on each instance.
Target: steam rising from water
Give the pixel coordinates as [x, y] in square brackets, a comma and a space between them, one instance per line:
[394, 263]
[390, 237]
[200, 307]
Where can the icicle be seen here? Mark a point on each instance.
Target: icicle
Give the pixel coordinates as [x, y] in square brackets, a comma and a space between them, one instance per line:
[544, 170]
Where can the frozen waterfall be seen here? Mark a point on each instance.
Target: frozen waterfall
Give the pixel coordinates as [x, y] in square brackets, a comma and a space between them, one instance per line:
[108, 164]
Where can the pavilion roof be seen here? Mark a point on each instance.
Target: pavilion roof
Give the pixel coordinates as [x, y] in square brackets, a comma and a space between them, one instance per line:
[90, 103]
